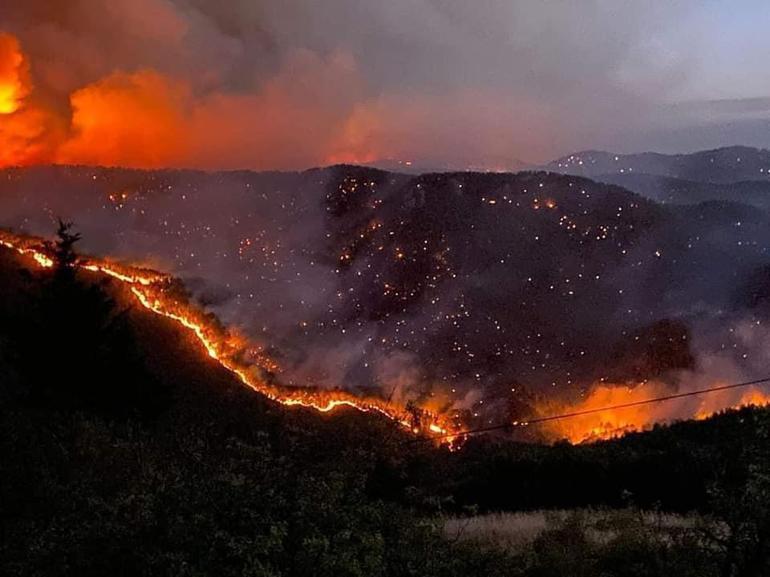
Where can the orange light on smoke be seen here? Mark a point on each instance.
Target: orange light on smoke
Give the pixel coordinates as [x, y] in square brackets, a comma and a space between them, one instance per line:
[134, 120]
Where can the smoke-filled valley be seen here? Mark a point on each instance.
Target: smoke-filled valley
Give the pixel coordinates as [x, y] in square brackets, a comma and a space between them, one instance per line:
[490, 297]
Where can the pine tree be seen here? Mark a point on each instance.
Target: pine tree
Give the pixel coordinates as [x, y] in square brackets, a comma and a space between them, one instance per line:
[64, 251]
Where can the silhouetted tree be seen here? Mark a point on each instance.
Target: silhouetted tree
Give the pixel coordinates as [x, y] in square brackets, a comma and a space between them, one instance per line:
[63, 252]
[65, 245]
[77, 345]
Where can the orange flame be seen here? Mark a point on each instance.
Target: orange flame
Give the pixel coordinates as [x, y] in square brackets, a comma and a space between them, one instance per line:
[27, 129]
[14, 75]
[605, 422]
[152, 290]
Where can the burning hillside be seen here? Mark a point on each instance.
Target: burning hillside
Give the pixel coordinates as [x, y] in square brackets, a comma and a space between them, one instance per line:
[606, 411]
[609, 411]
[159, 293]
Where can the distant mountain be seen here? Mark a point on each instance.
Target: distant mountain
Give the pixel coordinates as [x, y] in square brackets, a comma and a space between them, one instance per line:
[722, 165]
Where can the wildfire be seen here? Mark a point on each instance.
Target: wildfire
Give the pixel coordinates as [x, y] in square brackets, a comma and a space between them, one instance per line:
[154, 291]
[157, 293]
[14, 82]
[605, 422]
[23, 248]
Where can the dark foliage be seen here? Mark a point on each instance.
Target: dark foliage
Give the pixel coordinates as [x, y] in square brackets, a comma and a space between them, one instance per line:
[73, 345]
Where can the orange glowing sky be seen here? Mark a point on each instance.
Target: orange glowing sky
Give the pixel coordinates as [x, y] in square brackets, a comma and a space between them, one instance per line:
[261, 84]
[147, 119]
[17, 129]
[310, 112]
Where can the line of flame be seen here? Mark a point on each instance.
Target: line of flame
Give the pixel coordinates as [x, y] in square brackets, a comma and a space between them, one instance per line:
[148, 288]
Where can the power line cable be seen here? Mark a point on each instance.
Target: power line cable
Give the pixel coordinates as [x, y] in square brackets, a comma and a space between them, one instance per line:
[571, 415]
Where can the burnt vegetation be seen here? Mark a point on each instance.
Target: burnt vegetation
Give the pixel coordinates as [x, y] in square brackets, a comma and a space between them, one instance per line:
[125, 450]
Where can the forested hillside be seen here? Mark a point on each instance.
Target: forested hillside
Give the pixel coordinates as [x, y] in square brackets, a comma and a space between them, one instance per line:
[123, 445]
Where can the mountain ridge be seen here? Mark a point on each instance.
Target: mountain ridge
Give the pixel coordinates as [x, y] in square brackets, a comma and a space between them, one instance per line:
[720, 165]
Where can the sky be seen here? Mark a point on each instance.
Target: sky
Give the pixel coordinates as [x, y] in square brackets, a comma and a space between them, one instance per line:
[261, 84]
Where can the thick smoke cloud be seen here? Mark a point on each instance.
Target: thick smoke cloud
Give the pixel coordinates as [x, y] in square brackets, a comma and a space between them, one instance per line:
[27, 130]
[261, 84]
